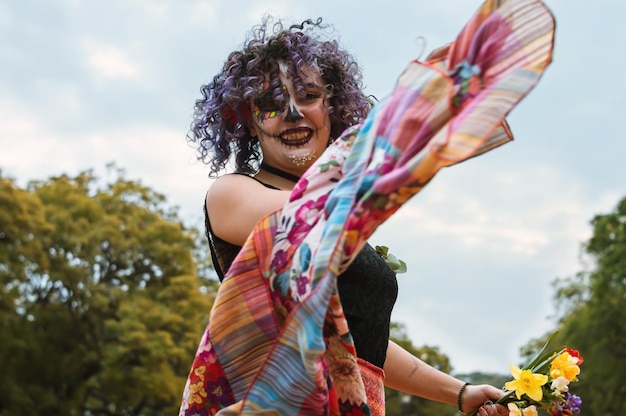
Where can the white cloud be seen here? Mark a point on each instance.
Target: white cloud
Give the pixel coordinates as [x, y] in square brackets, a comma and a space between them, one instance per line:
[111, 62]
[537, 215]
[485, 230]
[155, 154]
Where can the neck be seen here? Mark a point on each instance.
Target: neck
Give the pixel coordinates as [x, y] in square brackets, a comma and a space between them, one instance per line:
[280, 173]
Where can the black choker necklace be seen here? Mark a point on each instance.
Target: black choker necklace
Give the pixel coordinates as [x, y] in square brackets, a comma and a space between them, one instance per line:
[281, 173]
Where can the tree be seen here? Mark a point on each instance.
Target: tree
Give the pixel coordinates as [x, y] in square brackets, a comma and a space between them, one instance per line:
[592, 313]
[101, 308]
[478, 377]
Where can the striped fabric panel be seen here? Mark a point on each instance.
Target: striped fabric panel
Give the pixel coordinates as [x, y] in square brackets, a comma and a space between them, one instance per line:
[294, 361]
[243, 325]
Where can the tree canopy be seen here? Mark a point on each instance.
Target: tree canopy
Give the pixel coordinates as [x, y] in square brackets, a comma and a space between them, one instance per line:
[592, 316]
[101, 308]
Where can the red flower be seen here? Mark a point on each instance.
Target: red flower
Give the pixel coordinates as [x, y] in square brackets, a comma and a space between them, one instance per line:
[230, 114]
[575, 354]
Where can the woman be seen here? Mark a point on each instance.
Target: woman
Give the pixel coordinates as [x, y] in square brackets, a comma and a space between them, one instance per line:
[273, 110]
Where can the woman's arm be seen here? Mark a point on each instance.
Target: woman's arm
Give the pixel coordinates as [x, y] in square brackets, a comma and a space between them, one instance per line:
[407, 373]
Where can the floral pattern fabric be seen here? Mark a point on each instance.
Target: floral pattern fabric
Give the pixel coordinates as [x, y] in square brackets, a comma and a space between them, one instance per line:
[278, 341]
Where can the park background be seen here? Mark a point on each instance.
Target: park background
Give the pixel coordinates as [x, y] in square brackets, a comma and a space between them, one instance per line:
[83, 84]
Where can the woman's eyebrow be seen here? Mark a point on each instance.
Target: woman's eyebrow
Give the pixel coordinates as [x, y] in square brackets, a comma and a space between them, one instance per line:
[314, 86]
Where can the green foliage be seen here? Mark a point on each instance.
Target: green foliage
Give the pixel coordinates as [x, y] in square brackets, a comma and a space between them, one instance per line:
[593, 317]
[101, 308]
[397, 265]
[493, 379]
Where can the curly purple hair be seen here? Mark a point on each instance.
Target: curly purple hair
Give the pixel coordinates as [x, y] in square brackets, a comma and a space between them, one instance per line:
[219, 126]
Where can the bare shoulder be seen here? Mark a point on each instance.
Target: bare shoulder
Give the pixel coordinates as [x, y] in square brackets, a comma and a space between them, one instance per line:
[235, 203]
[232, 187]
[235, 178]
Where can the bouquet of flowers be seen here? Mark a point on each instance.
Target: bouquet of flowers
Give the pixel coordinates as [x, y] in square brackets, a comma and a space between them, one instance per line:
[544, 383]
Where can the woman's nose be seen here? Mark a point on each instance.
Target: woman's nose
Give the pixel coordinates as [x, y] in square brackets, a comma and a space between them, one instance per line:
[293, 114]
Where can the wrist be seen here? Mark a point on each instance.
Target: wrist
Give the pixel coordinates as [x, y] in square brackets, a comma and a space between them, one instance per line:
[459, 398]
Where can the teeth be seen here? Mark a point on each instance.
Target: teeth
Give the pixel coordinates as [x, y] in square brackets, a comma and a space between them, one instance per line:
[295, 136]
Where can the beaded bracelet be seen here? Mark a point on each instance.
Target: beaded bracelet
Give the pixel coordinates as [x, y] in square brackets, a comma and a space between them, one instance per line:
[458, 399]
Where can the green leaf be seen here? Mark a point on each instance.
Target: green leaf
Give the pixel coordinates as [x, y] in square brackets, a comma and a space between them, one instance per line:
[397, 265]
[542, 356]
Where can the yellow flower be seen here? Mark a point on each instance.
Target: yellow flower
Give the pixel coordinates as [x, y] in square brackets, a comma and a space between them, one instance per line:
[197, 393]
[514, 410]
[530, 411]
[526, 383]
[199, 371]
[564, 366]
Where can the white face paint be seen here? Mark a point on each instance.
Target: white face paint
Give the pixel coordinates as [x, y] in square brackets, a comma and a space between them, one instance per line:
[293, 135]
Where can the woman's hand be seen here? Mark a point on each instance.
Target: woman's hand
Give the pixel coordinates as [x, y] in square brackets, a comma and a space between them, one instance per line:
[481, 397]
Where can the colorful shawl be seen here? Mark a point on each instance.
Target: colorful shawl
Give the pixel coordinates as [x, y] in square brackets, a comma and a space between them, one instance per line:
[277, 341]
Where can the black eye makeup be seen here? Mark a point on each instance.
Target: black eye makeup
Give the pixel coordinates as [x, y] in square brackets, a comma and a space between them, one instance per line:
[267, 105]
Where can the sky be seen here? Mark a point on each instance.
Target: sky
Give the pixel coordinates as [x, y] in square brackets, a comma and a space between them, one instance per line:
[86, 83]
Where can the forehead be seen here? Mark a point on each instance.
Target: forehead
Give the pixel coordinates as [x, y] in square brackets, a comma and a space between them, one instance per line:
[308, 74]
[309, 78]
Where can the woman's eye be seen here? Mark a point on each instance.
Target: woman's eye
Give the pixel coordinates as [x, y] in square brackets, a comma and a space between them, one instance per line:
[312, 95]
[266, 103]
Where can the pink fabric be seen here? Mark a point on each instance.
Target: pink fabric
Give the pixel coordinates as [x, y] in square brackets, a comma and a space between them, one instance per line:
[373, 379]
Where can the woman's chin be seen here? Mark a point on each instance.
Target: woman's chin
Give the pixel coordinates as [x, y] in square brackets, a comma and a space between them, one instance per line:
[303, 158]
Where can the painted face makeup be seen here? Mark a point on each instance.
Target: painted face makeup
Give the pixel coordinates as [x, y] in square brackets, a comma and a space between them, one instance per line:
[293, 127]
[266, 107]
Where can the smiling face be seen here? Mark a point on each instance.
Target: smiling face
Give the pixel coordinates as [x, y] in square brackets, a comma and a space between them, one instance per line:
[293, 128]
